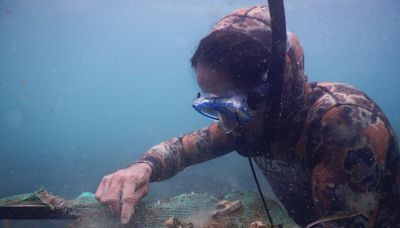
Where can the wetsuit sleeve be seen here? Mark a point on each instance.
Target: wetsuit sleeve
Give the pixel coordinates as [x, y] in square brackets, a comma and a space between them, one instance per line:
[350, 164]
[169, 157]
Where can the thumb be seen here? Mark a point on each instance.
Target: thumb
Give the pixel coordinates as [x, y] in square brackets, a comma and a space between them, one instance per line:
[129, 201]
[127, 212]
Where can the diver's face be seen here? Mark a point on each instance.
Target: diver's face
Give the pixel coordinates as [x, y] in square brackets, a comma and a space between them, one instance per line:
[219, 84]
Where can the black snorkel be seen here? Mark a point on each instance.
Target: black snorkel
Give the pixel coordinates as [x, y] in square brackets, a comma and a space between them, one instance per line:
[277, 65]
[274, 80]
[275, 77]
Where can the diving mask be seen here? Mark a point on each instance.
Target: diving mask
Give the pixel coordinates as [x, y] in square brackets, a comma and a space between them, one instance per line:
[231, 111]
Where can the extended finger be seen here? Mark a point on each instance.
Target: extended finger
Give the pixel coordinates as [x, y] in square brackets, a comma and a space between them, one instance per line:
[129, 201]
[113, 195]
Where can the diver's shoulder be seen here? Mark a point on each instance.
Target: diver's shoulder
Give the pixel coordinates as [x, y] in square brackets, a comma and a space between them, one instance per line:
[334, 94]
[325, 96]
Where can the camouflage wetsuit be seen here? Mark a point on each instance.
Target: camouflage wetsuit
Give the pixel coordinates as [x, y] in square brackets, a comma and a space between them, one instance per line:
[336, 154]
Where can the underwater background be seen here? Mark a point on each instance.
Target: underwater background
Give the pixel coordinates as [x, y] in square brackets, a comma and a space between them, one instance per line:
[86, 87]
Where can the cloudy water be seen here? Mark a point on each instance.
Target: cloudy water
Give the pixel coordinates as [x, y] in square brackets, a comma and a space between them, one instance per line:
[86, 87]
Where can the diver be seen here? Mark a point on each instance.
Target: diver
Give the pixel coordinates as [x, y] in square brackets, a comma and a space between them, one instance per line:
[331, 157]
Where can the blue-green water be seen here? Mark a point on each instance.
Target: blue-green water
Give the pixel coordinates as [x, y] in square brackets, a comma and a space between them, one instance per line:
[87, 86]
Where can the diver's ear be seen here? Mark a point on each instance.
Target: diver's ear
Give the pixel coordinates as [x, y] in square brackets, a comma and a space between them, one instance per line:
[263, 104]
[253, 100]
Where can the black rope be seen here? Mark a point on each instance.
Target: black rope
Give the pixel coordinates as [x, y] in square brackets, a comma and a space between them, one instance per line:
[261, 194]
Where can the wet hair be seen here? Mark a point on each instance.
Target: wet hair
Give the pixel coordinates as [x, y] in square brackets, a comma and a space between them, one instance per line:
[235, 53]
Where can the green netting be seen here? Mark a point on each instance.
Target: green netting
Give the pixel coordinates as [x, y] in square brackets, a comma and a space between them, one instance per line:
[253, 210]
[195, 208]
[183, 207]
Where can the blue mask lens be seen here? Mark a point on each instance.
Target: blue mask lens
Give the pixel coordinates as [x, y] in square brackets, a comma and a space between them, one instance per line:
[232, 111]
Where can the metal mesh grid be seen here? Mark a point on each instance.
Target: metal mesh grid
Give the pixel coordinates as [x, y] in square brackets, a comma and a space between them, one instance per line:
[196, 208]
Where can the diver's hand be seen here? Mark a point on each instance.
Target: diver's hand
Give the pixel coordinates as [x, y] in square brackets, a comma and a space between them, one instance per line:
[122, 190]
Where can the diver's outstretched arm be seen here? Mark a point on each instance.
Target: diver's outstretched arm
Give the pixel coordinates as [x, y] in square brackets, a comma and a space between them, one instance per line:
[122, 190]
[172, 156]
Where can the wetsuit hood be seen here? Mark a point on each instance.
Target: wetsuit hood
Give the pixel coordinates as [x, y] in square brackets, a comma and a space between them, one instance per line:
[255, 22]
